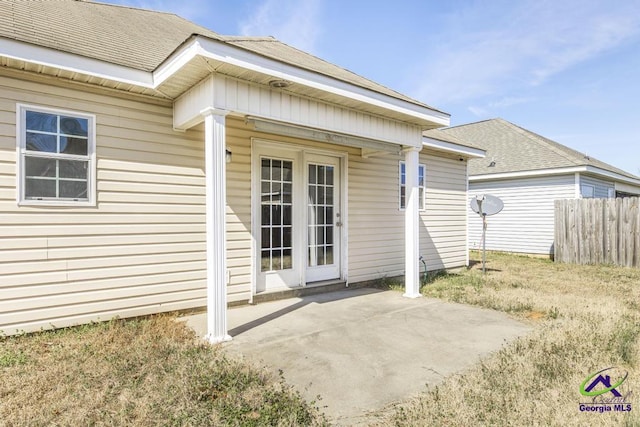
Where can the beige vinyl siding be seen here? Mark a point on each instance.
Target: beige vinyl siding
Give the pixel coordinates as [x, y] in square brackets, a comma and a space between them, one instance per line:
[526, 224]
[376, 224]
[443, 228]
[141, 250]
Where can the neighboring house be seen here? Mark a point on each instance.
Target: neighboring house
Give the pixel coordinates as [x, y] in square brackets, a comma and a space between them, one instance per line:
[148, 164]
[528, 172]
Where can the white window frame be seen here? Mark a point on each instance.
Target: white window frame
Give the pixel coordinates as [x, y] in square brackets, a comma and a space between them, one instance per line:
[590, 187]
[611, 193]
[21, 153]
[422, 205]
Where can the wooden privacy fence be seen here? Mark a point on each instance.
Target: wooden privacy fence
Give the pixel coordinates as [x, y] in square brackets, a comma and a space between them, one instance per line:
[598, 231]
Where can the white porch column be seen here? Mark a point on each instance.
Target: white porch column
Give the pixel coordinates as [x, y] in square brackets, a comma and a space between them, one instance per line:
[412, 224]
[216, 205]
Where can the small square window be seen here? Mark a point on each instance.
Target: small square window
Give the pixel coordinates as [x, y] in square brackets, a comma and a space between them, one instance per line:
[422, 185]
[56, 157]
[587, 191]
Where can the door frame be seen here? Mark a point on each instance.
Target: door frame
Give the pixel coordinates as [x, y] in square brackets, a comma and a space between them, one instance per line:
[301, 150]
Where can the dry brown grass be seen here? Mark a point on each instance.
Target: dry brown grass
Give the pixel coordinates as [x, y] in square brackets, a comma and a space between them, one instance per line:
[585, 318]
[138, 372]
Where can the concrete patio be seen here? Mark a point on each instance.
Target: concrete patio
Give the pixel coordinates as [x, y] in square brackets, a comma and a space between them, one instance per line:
[363, 349]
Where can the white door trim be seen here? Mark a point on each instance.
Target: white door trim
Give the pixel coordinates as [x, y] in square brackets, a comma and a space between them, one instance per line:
[258, 144]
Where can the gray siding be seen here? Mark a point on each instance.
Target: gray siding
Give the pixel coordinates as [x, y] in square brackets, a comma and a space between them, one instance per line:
[526, 224]
[601, 187]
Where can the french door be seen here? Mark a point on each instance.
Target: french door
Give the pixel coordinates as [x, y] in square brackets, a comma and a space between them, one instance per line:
[297, 221]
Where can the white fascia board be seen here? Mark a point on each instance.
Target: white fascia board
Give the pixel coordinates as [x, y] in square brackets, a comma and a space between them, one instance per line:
[527, 174]
[453, 148]
[557, 171]
[74, 63]
[233, 55]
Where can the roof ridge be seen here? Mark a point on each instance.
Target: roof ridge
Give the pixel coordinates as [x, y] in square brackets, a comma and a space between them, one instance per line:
[469, 124]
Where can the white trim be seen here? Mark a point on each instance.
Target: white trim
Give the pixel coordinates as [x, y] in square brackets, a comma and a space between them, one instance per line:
[215, 195]
[466, 174]
[577, 186]
[412, 225]
[226, 53]
[258, 144]
[556, 171]
[74, 63]
[453, 148]
[92, 180]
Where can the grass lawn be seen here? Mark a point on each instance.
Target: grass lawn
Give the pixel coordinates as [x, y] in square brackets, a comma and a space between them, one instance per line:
[154, 372]
[585, 318]
[139, 372]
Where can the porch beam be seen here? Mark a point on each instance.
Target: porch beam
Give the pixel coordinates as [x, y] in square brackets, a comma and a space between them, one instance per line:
[412, 223]
[216, 205]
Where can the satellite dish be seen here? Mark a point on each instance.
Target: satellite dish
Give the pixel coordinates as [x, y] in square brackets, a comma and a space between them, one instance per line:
[486, 205]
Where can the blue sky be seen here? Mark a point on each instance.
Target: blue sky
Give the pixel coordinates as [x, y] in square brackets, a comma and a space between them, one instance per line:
[566, 69]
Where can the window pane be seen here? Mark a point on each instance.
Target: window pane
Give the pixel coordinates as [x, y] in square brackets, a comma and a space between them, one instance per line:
[329, 175]
[287, 218]
[266, 215]
[38, 188]
[329, 235]
[73, 189]
[402, 174]
[266, 169]
[286, 237]
[329, 196]
[276, 170]
[73, 169]
[276, 237]
[421, 176]
[42, 121]
[312, 174]
[266, 238]
[35, 166]
[74, 126]
[286, 259]
[321, 174]
[329, 253]
[265, 262]
[41, 142]
[276, 214]
[287, 174]
[286, 193]
[402, 202]
[74, 146]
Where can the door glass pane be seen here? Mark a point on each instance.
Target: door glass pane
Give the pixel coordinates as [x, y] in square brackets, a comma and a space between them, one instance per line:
[276, 214]
[320, 215]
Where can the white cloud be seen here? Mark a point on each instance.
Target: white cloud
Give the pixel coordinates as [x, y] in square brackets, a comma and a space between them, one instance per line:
[489, 49]
[294, 22]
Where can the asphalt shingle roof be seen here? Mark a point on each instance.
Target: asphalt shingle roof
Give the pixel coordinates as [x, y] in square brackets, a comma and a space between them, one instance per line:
[515, 149]
[441, 135]
[142, 39]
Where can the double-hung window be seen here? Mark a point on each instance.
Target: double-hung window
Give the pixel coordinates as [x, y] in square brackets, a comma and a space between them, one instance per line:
[56, 157]
[421, 186]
